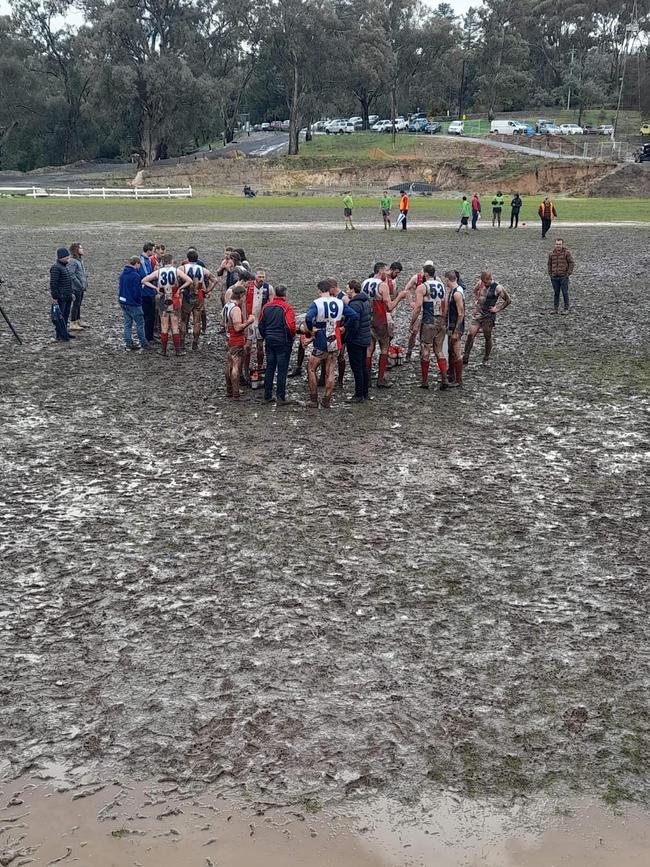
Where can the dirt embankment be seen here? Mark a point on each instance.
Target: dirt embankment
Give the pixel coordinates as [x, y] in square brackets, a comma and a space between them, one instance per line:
[479, 169]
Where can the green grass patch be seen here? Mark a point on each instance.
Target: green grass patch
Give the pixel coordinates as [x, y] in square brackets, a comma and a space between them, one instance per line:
[225, 209]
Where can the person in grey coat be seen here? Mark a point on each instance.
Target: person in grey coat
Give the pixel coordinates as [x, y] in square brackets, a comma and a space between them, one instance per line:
[79, 284]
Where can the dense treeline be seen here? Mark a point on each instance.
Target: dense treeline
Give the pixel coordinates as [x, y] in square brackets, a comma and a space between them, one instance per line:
[158, 77]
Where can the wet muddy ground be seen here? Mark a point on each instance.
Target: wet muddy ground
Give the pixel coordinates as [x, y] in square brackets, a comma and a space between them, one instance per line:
[432, 592]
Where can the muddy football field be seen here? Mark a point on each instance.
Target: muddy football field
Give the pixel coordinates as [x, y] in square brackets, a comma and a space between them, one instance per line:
[433, 591]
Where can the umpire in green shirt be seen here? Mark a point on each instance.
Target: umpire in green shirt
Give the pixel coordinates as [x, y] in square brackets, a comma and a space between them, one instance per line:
[348, 204]
[386, 204]
[465, 214]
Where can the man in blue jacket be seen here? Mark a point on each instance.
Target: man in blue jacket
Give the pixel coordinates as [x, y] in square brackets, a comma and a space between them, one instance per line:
[358, 341]
[130, 298]
[149, 294]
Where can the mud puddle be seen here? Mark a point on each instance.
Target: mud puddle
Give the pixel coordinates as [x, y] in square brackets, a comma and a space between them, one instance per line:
[156, 824]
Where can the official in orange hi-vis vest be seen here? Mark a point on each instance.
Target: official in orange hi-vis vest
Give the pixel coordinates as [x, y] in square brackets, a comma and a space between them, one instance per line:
[403, 209]
[547, 214]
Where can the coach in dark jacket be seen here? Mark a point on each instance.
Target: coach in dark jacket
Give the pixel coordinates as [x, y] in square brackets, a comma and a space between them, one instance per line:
[61, 292]
[278, 328]
[358, 341]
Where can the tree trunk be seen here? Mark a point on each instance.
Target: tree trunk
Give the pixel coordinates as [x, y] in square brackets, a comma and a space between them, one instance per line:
[147, 146]
[294, 115]
[364, 102]
[393, 109]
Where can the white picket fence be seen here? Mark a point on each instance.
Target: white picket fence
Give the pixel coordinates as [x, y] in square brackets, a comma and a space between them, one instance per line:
[35, 192]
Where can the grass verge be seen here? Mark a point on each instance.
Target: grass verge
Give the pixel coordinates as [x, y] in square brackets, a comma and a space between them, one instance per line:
[224, 209]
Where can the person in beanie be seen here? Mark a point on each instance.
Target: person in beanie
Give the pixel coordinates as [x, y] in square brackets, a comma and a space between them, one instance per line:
[560, 268]
[515, 207]
[277, 326]
[497, 207]
[61, 293]
[130, 298]
[79, 285]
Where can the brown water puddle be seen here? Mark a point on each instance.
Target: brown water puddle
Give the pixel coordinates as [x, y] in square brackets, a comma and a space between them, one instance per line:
[157, 825]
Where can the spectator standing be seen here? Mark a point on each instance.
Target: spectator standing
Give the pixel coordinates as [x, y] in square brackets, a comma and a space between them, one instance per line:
[547, 214]
[348, 204]
[130, 299]
[148, 302]
[79, 285]
[465, 212]
[61, 293]
[497, 207]
[515, 207]
[277, 326]
[358, 341]
[476, 211]
[403, 209]
[560, 267]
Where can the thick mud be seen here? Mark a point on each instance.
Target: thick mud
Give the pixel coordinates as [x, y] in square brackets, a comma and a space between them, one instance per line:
[431, 592]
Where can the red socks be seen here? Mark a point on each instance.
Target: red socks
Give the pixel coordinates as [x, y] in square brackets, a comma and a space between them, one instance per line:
[369, 362]
[442, 364]
[383, 364]
[424, 367]
[177, 341]
[163, 341]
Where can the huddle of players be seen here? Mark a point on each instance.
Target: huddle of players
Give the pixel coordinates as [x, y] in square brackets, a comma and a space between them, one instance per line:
[438, 312]
[182, 292]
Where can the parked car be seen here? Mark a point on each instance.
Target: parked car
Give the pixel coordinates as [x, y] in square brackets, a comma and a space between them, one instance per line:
[382, 126]
[571, 129]
[373, 118]
[419, 115]
[418, 124]
[355, 120]
[276, 125]
[257, 127]
[433, 127]
[339, 127]
[541, 124]
[456, 127]
[319, 126]
[605, 129]
[265, 126]
[551, 129]
[401, 124]
[285, 125]
[643, 155]
[645, 129]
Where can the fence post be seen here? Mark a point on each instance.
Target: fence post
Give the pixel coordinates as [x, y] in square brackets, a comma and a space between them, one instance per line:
[190, 189]
[33, 192]
[136, 193]
[103, 193]
[169, 193]
[68, 192]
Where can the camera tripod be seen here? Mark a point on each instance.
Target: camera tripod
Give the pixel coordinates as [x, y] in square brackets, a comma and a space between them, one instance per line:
[8, 321]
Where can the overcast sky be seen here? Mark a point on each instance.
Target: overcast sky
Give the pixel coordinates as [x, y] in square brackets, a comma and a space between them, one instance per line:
[460, 6]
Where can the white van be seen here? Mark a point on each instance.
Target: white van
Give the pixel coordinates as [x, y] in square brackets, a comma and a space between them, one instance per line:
[506, 127]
